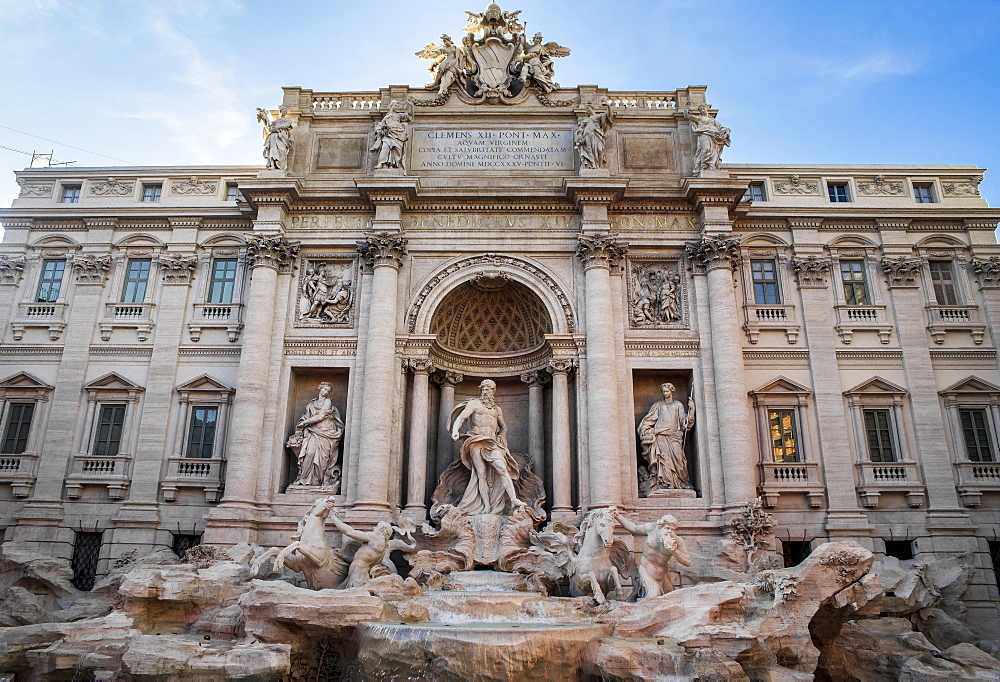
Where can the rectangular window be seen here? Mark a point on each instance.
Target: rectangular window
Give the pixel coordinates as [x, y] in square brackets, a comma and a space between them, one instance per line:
[220, 290]
[755, 192]
[881, 440]
[70, 194]
[852, 274]
[108, 437]
[923, 194]
[201, 438]
[901, 549]
[152, 192]
[784, 440]
[838, 192]
[183, 542]
[976, 432]
[136, 277]
[86, 555]
[794, 552]
[15, 434]
[50, 282]
[943, 280]
[765, 282]
[994, 546]
[232, 192]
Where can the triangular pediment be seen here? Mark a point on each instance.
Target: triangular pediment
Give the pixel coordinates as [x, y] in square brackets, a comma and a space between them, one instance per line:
[876, 385]
[112, 381]
[971, 384]
[205, 382]
[782, 386]
[24, 380]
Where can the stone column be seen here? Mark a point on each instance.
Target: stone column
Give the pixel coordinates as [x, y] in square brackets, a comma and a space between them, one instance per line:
[416, 479]
[536, 421]
[599, 253]
[384, 252]
[446, 446]
[562, 468]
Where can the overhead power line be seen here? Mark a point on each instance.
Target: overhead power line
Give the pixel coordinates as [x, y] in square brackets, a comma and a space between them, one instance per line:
[62, 144]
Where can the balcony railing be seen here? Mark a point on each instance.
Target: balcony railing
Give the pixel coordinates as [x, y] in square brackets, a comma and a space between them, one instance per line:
[868, 318]
[771, 317]
[791, 477]
[19, 472]
[114, 473]
[51, 316]
[183, 472]
[138, 316]
[216, 316]
[962, 318]
[875, 478]
[976, 477]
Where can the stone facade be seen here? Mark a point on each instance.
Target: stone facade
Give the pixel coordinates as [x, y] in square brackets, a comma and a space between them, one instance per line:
[156, 356]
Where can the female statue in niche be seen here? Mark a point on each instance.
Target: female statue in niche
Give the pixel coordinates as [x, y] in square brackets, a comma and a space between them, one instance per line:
[316, 441]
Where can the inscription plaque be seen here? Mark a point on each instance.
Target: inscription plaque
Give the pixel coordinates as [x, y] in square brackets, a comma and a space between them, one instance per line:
[492, 150]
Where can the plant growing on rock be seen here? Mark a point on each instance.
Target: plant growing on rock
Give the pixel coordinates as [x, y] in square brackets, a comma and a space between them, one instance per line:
[751, 529]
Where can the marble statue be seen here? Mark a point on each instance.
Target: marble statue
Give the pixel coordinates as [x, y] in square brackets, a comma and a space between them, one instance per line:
[589, 136]
[536, 62]
[661, 544]
[309, 553]
[711, 138]
[662, 433]
[447, 64]
[372, 554]
[493, 469]
[277, 138]
[326, 296]
[390, 135]
[655, 296]
[316, 441]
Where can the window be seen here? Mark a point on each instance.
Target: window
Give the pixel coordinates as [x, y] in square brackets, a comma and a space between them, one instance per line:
[994, 546]
[70, 194]
[136, 276]
[152, 192]
[183, 542]
[201, 438]
[755, 192]
[852, 274]
[923, 194]
[15, 433]
[901, 549]
[976, 433]
[232, 192]
[943, 280]
[765, 282]
[108, 437]
[881, 440]
[86, 555]
[794, 552]
[838, 192]
[220, 289]
[50, 282]
[784, 440]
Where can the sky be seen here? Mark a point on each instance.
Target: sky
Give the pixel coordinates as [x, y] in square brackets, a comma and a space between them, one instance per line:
[177, 82]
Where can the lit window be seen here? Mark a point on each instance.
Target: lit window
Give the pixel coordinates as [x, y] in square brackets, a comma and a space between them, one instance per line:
[976, 432]
[220, 289]
[923, 194]
[784, 440]
[108, 437]
[50, 282]
[852, 274]
[70, 194]
[838, 192]
[881, 440]
[943, 280]
[755, 192]
[765, 282]
[201, 437]
[136, 277]
[15, 433]
[152, 192]
[232, 192]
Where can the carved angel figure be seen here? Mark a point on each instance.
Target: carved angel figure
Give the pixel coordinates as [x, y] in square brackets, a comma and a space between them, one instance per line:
[712, 137]
[536, 62]
[390, 134]
[589, 136]
[278, 140]
[447, 64]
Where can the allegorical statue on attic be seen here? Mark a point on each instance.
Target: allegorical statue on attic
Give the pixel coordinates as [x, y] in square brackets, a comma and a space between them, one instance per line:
[589, 136]
[277, 138]
[449, 60]
[536, 62]
[391, 133]
[711, 135]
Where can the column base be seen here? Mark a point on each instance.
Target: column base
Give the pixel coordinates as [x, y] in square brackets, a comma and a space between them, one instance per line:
[232, 524]
[564, 514]
[417, 513]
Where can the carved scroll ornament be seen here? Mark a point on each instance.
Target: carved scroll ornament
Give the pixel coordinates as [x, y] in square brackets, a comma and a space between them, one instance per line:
[796, 186]
[963, 189]
[112, 188]
[902, 271]
[879, 186]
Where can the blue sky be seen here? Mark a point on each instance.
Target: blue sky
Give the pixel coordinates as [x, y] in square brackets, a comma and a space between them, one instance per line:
[158, 82]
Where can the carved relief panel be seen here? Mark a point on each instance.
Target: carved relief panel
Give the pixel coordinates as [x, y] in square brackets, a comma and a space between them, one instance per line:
[656, 294]
[326, 291]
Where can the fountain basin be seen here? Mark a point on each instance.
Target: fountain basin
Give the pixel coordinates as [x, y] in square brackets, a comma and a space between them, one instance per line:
[456, 606]
[475, 651]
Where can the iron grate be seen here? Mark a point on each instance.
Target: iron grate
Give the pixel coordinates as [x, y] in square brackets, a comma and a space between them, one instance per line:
[183, 542]
[86, 554]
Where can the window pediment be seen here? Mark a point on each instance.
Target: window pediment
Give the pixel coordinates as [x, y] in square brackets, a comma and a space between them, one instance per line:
[876, 386]
[22, 381]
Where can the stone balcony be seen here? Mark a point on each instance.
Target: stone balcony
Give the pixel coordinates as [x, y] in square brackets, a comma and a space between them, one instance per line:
[51, 316]
[216, 316]
[114, 473]
[138, 316]
[857, 318]
[875, 478]
[183, 472]
[771, 317]
[784, 478]
[961, 318]
[19, 472]
[975, 478]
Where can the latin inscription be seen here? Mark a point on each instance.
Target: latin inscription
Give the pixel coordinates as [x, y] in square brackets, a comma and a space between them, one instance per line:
[492, 150]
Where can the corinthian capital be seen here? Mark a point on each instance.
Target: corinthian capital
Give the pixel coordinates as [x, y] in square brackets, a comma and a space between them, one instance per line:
[600, 250]
[811, 270]
[91, 269]
[902, 271]
[714, 252]
[562, 365]
[270, 252]
[11, 269]
[383, 248]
